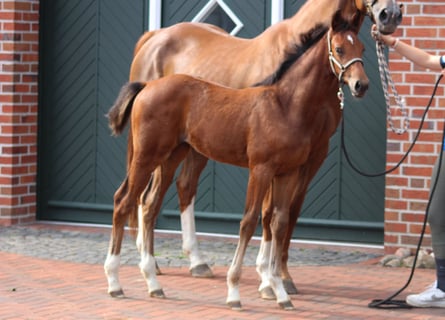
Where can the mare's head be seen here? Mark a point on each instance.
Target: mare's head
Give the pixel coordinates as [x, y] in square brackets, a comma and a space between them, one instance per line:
[386, 14]
[345, 54]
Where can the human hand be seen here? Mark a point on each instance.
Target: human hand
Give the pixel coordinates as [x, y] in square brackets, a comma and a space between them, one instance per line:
[385, 39]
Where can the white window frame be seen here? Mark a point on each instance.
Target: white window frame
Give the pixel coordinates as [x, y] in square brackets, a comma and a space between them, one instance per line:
[155, 13]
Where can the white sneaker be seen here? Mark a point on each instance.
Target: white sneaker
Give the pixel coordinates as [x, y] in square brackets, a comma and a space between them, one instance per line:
[431, 297]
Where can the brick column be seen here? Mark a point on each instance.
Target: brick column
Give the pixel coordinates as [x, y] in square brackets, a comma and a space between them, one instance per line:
[407, 189]
[19, 60]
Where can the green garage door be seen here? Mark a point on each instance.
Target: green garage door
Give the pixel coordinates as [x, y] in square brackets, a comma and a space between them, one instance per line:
[86, 53]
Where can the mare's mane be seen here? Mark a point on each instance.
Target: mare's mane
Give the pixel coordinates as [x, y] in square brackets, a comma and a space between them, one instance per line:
[307, 40]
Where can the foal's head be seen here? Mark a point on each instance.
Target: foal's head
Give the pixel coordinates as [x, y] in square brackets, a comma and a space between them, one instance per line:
[345, 55]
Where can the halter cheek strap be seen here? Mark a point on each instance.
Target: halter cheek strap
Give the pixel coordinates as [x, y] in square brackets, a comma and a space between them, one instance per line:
[334, 62]
[442, 62]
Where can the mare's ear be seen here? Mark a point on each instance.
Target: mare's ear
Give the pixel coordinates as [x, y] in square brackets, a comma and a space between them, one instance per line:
[338, 22]
[356, 22]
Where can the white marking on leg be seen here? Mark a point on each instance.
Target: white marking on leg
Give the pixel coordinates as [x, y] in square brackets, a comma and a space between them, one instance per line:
[139, 238]
[233, 294]
[189, 239]
[148, 270]
[262, 263]
[278, 287]
[111, 268]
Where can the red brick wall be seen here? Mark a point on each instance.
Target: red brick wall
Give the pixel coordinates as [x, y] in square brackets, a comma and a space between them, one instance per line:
[19, 48]
[407, 189]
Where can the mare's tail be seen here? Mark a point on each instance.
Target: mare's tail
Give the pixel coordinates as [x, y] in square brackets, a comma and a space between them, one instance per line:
[120, 112]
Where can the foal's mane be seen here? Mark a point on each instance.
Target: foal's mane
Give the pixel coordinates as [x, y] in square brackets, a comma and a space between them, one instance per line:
[307, 40]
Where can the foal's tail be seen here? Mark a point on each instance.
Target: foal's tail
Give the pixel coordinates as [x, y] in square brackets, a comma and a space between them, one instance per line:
[120, 112]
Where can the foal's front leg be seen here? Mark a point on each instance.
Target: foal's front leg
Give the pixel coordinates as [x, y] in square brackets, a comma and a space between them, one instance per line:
[283, 190]
[259, 180]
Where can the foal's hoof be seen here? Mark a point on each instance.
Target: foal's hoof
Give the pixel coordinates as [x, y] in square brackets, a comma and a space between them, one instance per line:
[117, 294]
[235, 305]
[157, 294]
[286, 305]
[201, 271]
[158, 270]
[289, 286]
[267, 293]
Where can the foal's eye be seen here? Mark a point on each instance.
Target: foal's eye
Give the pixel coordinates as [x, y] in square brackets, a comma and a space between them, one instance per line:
[339, 51]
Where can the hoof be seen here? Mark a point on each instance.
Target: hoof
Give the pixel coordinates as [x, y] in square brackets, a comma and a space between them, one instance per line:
[157, 294]
[289, 286]
[267, 294]
[117, 294]
[201, 271]
[235, 305]
[286, 305]
[158, 270]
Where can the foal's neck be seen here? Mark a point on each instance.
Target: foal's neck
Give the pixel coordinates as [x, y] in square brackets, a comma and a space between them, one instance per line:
[310, 78]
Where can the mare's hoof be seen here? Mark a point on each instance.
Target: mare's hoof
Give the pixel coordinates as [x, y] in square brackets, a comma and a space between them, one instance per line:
[117, 294]
[157, 294]
[267, 293]
[235, 305]
[286, 305]
[201, 271]
[158, 270]
[289, 286]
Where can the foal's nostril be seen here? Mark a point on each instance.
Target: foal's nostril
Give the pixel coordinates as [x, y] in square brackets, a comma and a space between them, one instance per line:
[361, 86]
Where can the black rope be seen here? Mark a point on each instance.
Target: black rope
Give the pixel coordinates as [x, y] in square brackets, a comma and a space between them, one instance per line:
[373, 175]
[390, 303]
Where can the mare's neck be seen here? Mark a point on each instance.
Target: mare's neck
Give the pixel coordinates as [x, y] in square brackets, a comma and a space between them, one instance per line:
[315, 12]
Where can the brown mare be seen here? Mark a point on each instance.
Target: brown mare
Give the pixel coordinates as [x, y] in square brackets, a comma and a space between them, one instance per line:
[280, 132]
[208, 52]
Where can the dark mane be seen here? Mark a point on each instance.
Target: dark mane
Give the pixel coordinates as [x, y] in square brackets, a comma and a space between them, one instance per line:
[307, 41]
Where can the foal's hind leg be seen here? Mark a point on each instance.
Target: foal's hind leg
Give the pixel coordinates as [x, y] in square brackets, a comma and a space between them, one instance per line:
[112, 262]
[187, 184]
[148, 212]
[125, 204]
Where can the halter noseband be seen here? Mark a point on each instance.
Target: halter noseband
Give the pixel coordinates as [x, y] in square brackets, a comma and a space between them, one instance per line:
[333, 61]
[368, 5]
[343, 67]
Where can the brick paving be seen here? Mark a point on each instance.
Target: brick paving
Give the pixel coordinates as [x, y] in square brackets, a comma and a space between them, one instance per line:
[34, 287]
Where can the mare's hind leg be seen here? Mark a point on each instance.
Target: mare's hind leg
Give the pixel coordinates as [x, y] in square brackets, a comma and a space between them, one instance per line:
[259, 181]
[187, 184]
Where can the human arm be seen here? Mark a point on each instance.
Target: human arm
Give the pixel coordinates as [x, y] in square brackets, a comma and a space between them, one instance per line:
[416, 55]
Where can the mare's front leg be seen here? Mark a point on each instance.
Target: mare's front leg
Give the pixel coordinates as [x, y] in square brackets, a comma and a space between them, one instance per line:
[259, 181]
[187, 185]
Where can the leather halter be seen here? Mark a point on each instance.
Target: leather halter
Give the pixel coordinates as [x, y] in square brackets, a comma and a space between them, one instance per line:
[334, 62]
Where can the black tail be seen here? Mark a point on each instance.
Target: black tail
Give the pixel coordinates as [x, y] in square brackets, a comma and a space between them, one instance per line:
[120, 112]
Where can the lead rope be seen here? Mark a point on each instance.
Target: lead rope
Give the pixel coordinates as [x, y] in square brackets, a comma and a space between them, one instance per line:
[390, 302]
[385, 78]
